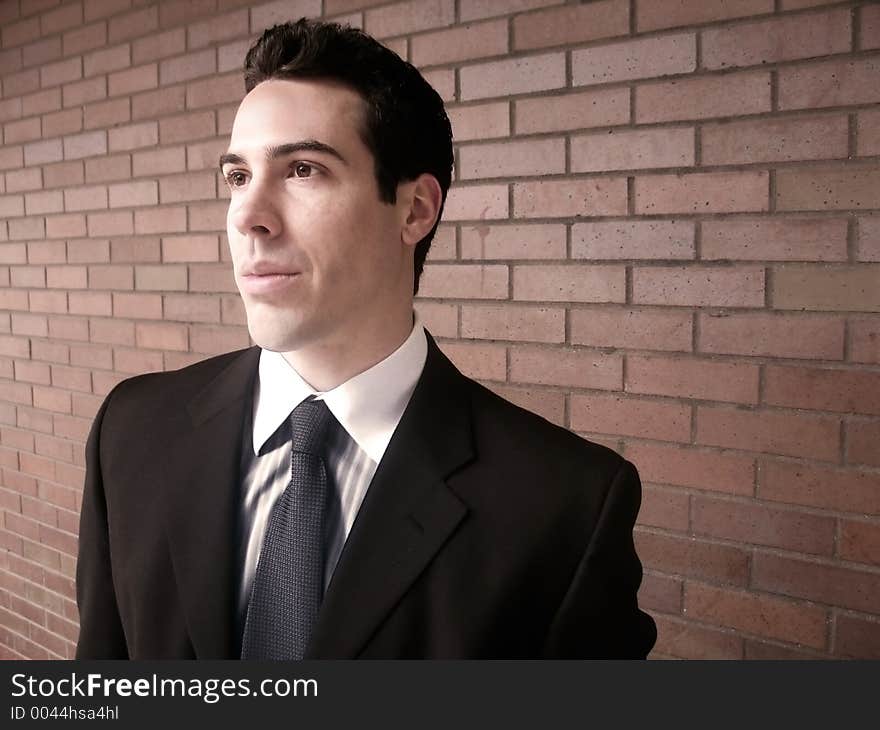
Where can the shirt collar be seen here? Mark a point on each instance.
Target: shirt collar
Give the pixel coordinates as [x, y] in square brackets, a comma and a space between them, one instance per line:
[368, 406]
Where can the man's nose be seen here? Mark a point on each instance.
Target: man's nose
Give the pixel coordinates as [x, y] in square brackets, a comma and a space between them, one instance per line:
[254, 212]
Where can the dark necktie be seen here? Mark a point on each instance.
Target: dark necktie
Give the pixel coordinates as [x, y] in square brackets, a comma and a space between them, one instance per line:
[289, 581]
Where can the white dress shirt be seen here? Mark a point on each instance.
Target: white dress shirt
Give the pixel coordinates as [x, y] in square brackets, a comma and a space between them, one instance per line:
[368, 407]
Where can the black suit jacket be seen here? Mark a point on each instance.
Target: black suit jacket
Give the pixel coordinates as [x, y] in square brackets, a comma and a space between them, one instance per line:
[487, 532]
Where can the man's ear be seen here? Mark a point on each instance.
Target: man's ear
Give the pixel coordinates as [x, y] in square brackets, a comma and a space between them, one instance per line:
[420, 201]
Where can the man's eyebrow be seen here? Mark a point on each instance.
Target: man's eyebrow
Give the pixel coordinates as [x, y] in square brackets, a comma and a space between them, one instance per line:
[274, 152]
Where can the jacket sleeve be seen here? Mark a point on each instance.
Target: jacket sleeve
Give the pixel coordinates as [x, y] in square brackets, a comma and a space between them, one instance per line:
[100, 628]
[599, 616]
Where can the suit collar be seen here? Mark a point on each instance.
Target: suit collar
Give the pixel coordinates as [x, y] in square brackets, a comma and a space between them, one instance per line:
[203, 474]
[407, 514]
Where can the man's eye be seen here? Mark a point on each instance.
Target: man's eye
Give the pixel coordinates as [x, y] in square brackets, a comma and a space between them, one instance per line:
[236, 179]
[303, 169]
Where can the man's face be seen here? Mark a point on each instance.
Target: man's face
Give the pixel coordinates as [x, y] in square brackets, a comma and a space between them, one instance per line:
[317, 255]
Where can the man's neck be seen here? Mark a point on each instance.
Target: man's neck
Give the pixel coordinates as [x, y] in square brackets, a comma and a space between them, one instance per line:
[326, 365]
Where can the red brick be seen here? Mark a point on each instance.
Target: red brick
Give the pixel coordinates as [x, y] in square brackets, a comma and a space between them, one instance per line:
[775, 140]
[83, 92]
[91, 356]
[24, 180]
[860, 541]
[63, 174]
[634, 59]
[692, 558]
[772, 432]
[842, 490]
[23, 130]
[69, 328]
[54, 302]
[266, 15]
[828, 188]
[870, 27]
[64, 17]
[700, 287]
[189, 248]
[191, 308]
[161, 336]
[10, 109]
[633, 240]
[565, 366]
[854, 288]
[769, 239]
[862, 438]
[151, 48]
[534, 241]
[214, 91]
[144, 134]
[25, 229]
[211, 340]
[140, 249]
[105, 169]
[463, 43]
[111, 331]
[134, 362]
[670, 13]
[66, 277]
[779, 39]
[464, 281]
[703, 98]
[217, 29]
[186, 127]
[622, 415]
[511, 159]
[831, 83]
[865, 340]
[632, 328]
[598, 108]
[570, 25]
[161, 278]
[774, 335]
[84, 38]
[106, 113]
[847, 391]
[761, 525]
[111, 277]
[12, 206]
[190, 66]
[192, 186]
[14, 34]
[684, 640]
[660, 593]
[159, 161]
[547, 404]
[117, 223]
[702, 380]
[64, 122]
[474, 9]
[212, 278]
[757, 614]
[61, 72]
[442, 245]
[708, 192]
[478, 360]
[563, 198]
[11, 157]
[161, 220]
[20, 83]
[53, 352]
[513, 76]
[831, 584]
[137, 306]
[87, 144]
[232, 310]
[24, 324]
[107, 60]
[569, 282]
[205, 155]
[42, 101]
[857, 637]
[664, 508]
[632, 149]
[476, 202]
[133, 79]
[143, 192]
[230, 56]
[85, 198]
[90, 303]
[408, 17]
[28, 276]
[39, 153]
[135, 23]
[537, 324]
[869, 239]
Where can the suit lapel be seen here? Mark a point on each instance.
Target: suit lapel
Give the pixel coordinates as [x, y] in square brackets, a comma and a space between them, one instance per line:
[203, 479]
[407, 514]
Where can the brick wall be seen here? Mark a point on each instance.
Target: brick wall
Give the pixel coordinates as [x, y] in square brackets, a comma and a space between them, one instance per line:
[663, 235]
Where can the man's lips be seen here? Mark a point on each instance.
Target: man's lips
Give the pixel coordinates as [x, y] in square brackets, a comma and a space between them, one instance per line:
[262, 279]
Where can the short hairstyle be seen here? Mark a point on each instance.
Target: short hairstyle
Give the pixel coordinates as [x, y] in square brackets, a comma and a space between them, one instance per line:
[406, 127]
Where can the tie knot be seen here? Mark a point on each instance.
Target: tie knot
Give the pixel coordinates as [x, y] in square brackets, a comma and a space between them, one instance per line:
[309, 423]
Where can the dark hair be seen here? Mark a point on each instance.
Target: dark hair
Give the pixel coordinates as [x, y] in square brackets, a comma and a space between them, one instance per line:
[406, 127]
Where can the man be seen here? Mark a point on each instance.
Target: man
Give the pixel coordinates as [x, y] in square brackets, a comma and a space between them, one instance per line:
[341, 490]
